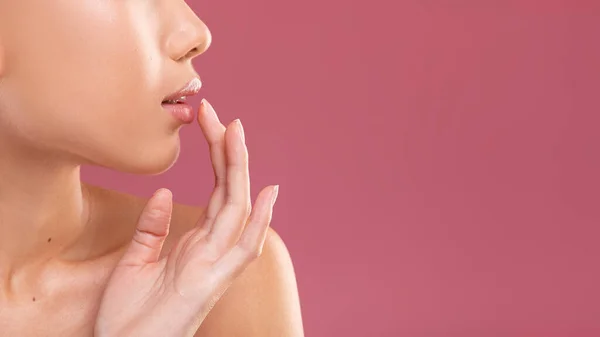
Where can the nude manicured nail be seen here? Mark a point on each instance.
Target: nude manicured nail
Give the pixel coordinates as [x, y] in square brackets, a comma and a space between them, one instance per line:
[274, 195]
[241, 130]
[209, 109]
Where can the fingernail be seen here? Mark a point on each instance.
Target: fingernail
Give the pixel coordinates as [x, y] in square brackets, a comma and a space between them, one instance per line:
[204, 104]
[241, 130]
[274, 195]
[209, 108]
[162, 194]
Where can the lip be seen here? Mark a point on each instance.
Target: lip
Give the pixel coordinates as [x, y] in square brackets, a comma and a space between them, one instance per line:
[181, 112]
[190, 89]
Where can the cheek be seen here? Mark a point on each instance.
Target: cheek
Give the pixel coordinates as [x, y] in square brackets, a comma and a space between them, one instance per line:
[138, 139]
[93, 127]
[101, 76]
[89, 83]
[89, 53]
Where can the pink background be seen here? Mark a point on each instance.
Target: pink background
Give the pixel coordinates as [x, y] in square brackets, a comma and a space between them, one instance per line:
[438, 160]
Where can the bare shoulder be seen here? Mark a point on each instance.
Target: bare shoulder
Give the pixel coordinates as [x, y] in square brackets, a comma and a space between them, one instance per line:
[262, 301]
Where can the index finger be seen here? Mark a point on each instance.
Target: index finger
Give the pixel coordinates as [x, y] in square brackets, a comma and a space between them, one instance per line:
[214, 132]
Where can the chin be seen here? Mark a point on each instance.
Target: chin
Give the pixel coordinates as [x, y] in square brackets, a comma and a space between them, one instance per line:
[156, 161]
[152, 159]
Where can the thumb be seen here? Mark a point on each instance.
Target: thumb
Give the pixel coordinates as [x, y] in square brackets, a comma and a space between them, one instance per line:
[151, 230]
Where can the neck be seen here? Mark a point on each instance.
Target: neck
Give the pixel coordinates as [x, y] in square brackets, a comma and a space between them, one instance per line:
[43, 209]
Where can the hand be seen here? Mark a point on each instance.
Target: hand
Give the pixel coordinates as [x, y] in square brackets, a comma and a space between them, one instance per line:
[170, 296]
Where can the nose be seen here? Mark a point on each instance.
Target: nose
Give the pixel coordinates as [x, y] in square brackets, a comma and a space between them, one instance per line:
[188, 36]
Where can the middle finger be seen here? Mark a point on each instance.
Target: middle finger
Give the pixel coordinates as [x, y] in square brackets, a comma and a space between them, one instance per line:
[232, 217]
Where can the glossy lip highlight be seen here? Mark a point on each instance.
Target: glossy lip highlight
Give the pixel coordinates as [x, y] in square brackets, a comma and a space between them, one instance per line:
[190, 89]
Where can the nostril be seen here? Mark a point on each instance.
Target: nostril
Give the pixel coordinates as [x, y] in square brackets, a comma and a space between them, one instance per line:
[192, 53]
[195, 51]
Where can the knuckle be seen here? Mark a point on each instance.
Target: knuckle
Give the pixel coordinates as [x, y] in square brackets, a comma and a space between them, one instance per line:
[252, 253]
[215, 143]
[230, 202]
[242, 208]
[157, 214]
[247, 209]
[220, 180]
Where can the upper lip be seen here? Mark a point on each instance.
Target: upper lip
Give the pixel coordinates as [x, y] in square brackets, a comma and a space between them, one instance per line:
[191, 88]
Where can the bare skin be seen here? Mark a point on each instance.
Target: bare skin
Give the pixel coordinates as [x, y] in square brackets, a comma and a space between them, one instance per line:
[262, 301]
[81, 83]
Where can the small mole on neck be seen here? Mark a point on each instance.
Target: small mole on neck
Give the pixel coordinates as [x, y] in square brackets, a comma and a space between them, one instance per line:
[34, 299]
[49, 239]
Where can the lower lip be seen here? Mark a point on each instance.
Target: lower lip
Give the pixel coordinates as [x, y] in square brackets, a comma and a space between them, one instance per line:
[181, 111]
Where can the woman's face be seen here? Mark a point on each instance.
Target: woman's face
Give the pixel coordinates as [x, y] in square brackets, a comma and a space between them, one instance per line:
[85, 79]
